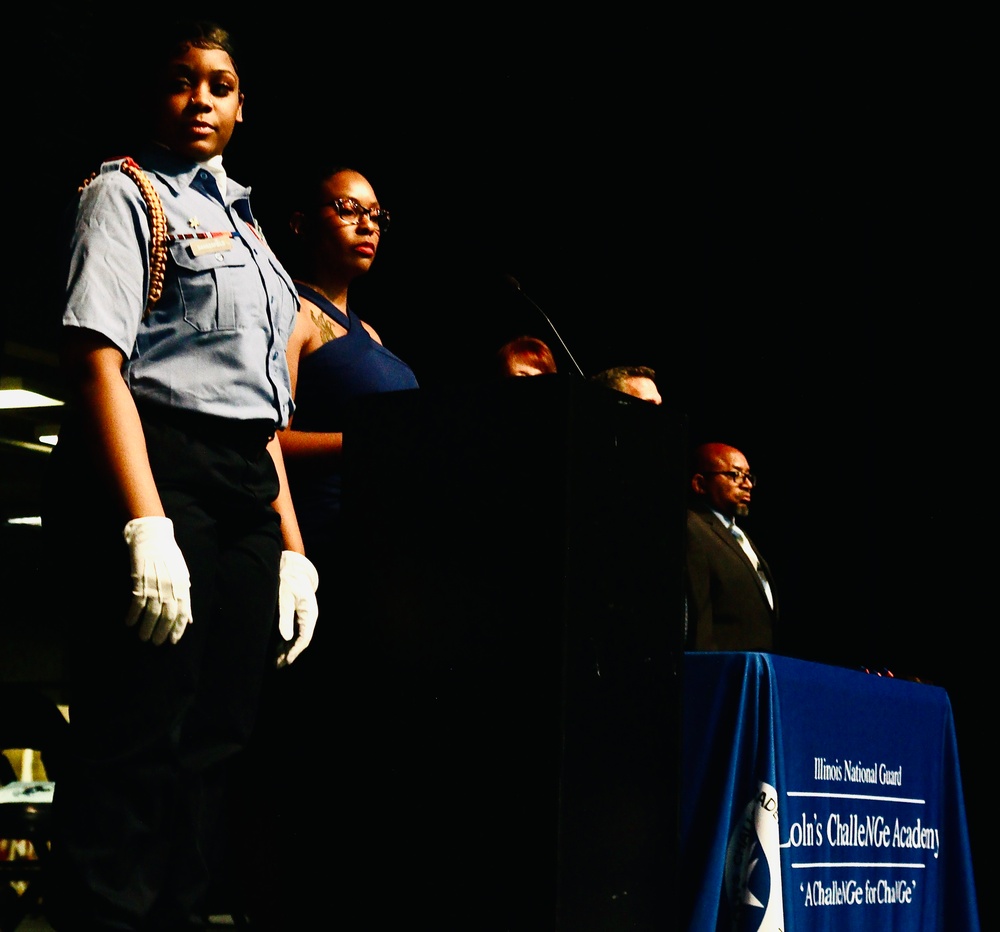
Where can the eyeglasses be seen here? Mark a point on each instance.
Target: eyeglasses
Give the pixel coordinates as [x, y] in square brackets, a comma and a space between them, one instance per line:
[351, 212]
[734, 475]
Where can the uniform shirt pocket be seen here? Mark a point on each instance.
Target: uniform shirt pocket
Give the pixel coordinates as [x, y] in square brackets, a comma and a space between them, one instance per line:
[208, 284]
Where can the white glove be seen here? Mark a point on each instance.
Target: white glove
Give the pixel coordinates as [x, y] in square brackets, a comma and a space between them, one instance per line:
[161, 584]
[297, 607]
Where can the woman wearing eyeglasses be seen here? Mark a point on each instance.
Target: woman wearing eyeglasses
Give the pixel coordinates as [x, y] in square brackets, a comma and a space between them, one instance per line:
[334, 357]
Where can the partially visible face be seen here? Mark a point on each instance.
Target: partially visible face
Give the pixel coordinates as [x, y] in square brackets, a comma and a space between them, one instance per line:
[201, 104]
[349, 247]
[728, 497]
[644, 388]
[520, 367]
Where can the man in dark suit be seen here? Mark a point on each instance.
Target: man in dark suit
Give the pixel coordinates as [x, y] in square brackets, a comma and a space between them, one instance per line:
[731, 600]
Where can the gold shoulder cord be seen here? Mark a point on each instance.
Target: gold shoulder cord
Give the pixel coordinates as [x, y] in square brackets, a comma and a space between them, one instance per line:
[158, 229]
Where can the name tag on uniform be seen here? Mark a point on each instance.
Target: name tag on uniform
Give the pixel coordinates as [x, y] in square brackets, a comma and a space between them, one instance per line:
[201, 247]
[201, 244]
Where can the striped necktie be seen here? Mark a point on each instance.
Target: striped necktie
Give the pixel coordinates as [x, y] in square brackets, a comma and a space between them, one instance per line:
[748, 550]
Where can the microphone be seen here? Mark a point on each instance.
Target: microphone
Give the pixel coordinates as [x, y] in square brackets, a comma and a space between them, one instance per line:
[516, 285]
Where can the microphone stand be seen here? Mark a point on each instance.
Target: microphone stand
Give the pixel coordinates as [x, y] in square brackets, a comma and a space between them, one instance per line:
[516, 285]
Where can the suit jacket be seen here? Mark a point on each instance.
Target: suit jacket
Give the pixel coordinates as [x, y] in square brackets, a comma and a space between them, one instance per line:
[727, 608]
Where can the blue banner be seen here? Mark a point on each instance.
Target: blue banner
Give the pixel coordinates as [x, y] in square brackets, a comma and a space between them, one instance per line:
[819, 798]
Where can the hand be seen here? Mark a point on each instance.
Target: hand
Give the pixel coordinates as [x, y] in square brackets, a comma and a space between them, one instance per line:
[161, 584]
[297, 607]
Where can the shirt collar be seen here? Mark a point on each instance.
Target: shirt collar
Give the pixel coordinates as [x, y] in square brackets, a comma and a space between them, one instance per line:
[214, 165]
[726, 522]
[178, 173]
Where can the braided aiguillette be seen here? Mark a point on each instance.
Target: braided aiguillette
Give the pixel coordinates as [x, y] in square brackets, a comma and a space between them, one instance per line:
[158, 229]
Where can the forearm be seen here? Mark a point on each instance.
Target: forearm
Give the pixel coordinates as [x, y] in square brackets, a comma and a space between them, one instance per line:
[290, 534]
[302, 444]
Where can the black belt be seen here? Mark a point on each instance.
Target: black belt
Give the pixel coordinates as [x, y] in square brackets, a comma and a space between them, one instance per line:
[233, 432]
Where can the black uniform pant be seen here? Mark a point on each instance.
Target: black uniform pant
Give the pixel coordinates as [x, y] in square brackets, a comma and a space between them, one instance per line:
[155, 727]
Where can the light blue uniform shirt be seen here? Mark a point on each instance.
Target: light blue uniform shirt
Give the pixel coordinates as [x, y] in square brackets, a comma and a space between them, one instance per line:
[214, 342]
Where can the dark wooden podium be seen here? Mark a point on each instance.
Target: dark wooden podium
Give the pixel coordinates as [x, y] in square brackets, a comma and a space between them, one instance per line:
[511, 651]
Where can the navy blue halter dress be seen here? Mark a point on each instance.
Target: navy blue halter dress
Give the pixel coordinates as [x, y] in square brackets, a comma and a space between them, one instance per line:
[329, 379]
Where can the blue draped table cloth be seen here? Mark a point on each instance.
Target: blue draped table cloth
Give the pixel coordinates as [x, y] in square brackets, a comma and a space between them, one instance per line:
[819, 798]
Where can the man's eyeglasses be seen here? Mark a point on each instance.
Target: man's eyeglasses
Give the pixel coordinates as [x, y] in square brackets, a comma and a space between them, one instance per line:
[351, 212]
[734, 475]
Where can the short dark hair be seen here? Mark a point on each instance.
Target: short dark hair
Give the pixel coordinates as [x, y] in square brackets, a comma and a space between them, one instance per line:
[617, 376]
[303, 190]
[196, 33]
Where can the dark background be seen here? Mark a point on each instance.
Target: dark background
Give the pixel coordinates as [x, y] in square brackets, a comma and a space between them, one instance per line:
[785, 218]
